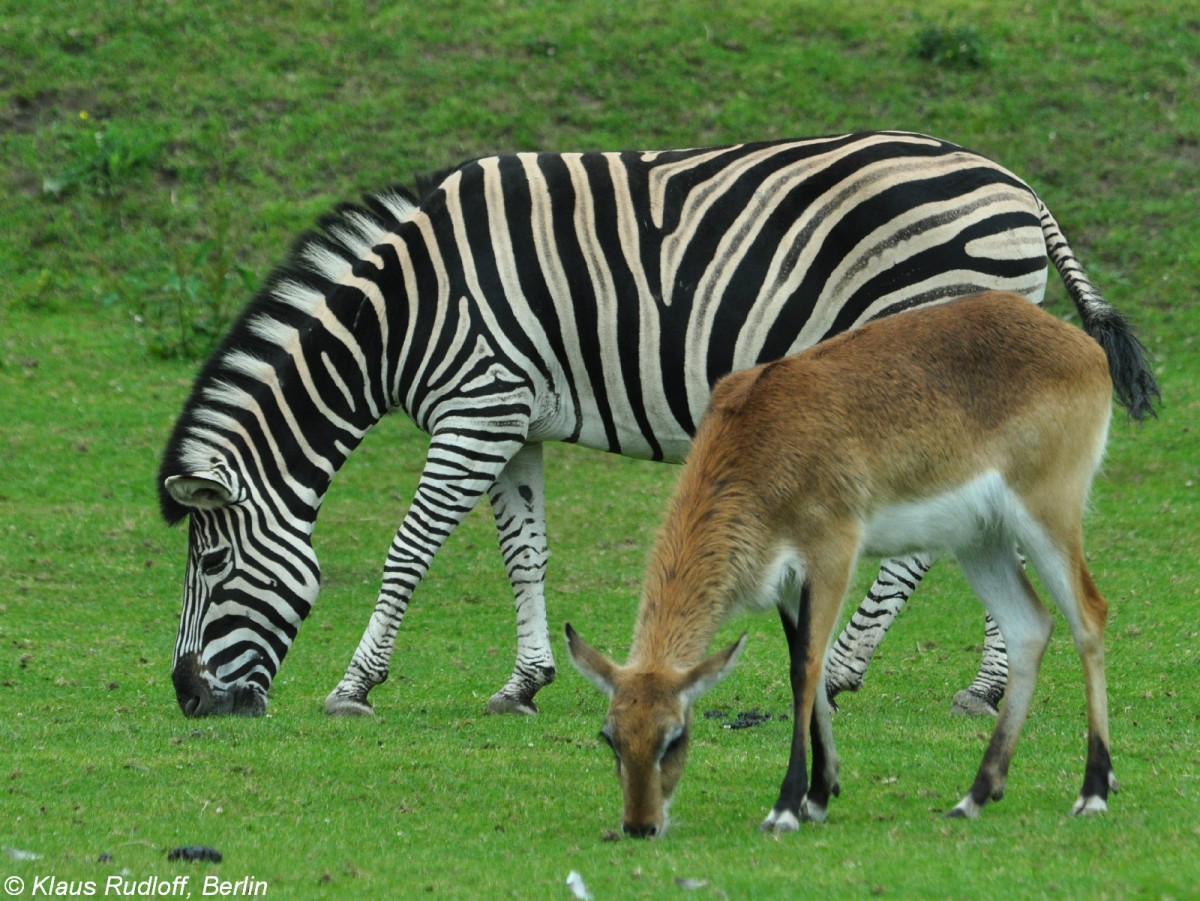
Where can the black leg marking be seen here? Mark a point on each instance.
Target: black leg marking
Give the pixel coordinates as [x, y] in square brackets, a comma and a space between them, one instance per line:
[821, 788]
[1098, 779]
[785, 816]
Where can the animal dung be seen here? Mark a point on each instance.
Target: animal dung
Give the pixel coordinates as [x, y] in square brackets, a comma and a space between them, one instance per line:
[745, 720]
[192, 853]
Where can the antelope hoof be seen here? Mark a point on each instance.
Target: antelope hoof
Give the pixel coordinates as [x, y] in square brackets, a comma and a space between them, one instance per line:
[339, 705]
[500, 703]
[1086, 807]
[778, 821]
[812, 812]
[966, 809]
[967, 704]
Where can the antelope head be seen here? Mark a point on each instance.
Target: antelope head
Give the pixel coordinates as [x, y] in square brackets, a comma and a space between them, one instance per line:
[649, 719]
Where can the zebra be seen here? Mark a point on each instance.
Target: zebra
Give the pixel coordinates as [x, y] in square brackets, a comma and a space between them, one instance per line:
[591, 298]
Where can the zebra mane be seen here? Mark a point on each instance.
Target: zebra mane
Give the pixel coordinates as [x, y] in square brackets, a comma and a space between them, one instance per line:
[428, 182]
[287, 298]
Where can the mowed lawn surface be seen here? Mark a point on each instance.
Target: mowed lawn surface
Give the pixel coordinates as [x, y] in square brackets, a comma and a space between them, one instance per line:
[160, 159]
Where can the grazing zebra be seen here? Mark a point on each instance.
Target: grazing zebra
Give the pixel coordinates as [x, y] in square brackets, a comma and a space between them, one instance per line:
[592, 298]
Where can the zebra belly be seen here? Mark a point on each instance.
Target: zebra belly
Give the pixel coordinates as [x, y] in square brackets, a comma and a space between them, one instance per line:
[667, 442]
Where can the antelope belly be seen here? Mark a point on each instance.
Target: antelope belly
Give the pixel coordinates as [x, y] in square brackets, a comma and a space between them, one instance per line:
[944, 522]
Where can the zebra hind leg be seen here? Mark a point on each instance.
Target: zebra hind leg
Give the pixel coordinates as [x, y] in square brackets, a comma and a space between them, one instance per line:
[982, 697]
[518, 502]
[849, 656]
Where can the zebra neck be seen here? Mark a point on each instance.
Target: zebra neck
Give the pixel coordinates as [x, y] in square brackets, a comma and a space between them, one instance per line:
[310, 365]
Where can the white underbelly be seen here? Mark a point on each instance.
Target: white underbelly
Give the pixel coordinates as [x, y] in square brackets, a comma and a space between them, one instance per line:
[946, 522]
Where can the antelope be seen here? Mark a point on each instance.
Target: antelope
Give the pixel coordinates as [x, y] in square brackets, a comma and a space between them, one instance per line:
[974, 427]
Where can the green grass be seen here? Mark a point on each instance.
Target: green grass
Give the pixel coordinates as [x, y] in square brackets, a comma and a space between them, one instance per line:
[228, 129]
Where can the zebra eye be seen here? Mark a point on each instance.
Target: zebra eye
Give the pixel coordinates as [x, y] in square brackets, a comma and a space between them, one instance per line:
[213, 562]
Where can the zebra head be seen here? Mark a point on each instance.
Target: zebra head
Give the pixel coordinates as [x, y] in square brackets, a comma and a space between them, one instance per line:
[252, 577]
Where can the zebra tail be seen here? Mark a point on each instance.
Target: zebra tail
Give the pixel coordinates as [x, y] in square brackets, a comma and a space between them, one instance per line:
[1133, 381]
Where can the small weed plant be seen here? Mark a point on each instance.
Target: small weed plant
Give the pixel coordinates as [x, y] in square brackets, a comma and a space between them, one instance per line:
[187, 314]
[105, 158]
[951, 46]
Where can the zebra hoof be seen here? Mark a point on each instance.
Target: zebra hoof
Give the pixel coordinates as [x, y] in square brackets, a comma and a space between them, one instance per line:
[836, 683]
[967, 704]
[500, 703]
[336, 705]
[812, 812]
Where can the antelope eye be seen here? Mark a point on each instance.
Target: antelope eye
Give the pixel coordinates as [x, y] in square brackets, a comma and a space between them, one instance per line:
[608, 740]
[675, 743]
[213, 562]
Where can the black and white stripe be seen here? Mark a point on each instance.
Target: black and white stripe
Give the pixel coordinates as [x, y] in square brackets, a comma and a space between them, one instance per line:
[591, 298]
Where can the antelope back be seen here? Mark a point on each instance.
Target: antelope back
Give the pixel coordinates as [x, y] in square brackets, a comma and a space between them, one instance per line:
[915, 404]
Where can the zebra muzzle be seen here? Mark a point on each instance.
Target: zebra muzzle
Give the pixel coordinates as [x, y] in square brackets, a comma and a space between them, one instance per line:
[192, 691]
[197, 696]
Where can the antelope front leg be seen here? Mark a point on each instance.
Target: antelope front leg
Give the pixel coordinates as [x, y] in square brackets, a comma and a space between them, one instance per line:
[824, 760]
[518, 502]
[798, 799]
[785, 816]
[458, 470]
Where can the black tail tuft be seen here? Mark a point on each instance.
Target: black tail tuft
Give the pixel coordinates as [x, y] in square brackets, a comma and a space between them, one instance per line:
[1133, 382]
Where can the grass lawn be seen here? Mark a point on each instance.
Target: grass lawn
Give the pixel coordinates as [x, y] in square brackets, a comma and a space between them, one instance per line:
[159, 159]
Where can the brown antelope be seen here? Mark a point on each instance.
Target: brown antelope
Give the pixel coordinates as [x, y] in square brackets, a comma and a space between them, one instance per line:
[972, 427]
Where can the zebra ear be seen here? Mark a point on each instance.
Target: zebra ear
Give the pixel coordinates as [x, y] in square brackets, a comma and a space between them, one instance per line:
[203, 490]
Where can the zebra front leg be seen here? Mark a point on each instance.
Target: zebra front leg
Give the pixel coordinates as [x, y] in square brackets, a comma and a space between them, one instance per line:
[459, 468]
[851, 654]
[518, 502]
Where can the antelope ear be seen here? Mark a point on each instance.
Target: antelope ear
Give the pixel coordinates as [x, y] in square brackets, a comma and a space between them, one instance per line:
[203, 490]
[594, 666]
[708, 673]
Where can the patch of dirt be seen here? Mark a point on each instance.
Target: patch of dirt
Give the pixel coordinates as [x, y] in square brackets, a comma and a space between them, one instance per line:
[26, 114]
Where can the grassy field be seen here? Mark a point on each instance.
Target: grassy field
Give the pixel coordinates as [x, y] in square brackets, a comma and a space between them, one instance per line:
[159, 158]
